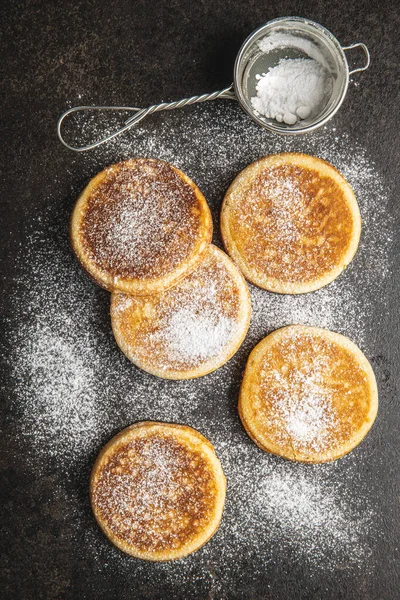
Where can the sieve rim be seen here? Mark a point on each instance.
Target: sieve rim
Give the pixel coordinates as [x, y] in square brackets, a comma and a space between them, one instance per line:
[243, 101]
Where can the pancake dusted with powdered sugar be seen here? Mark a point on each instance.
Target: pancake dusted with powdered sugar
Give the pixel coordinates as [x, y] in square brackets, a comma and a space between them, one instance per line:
[140, 226]
[190, 329]
[308, 394]
[291, 223]
[158, 490]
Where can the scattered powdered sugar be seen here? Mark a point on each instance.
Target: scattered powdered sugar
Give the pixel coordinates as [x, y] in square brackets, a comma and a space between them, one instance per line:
[73, 389]
[130, 227]
[306, 511]
[59, 374]
[287, 203]
[287, 200]
[147, 495]
[195, 324]
[54, 354]
[299, 234]
[200, 336]
[308, 421]
[150, 214]
[275, 513]
[199, 322]
[304, 405]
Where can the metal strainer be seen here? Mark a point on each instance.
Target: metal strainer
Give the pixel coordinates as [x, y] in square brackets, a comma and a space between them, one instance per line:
[249, 62]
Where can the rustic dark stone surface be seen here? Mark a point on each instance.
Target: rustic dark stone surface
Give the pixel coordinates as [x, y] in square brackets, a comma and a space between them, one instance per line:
[127, 52]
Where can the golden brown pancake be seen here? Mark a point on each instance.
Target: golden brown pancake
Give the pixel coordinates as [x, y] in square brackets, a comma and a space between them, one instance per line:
[308, 394]
[190, 329]
[291, 223]
[140, 226]
[158, 490]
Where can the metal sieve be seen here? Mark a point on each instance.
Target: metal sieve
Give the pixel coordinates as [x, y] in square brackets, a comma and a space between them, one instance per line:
[251, 61]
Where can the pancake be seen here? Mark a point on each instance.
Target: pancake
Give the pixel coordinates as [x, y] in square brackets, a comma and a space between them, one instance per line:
[291, 223]
[189, 330]
[140, 226]
[308, 394]
[158, 490]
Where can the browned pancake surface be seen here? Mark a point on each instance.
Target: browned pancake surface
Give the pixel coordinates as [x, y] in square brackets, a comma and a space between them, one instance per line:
[190, 329]
[158, 495]
[308, 396]
[155, 493]
[141, 221]
[305, 226]
[291, 222]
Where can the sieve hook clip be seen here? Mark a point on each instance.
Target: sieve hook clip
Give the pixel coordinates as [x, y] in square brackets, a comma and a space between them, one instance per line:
[367, 56]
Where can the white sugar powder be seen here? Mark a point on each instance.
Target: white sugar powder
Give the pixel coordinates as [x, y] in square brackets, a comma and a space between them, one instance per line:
[277, 41]
[295, 89]
[199, 336]
[308, 420]
[305, 407]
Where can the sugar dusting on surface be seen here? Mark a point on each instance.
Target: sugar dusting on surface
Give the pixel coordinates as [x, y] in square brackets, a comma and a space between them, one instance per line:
[287, 201]
[155, 492]
[136, 234]
[192, 325]
[303, 409]
[198, 337]
[315, 393]
[73, 389]
[307, 226]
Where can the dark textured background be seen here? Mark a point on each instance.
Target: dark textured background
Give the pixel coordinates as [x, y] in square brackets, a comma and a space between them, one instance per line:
[138, 52]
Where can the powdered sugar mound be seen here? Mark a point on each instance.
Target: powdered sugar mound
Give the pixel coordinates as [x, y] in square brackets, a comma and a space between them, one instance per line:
[291, 85]
[202, 336]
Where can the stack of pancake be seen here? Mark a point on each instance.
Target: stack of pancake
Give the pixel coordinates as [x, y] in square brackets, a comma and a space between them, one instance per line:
[180, 308]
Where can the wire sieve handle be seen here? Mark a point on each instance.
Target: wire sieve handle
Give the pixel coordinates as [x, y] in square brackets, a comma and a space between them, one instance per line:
[366, 52]
[140, 113]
